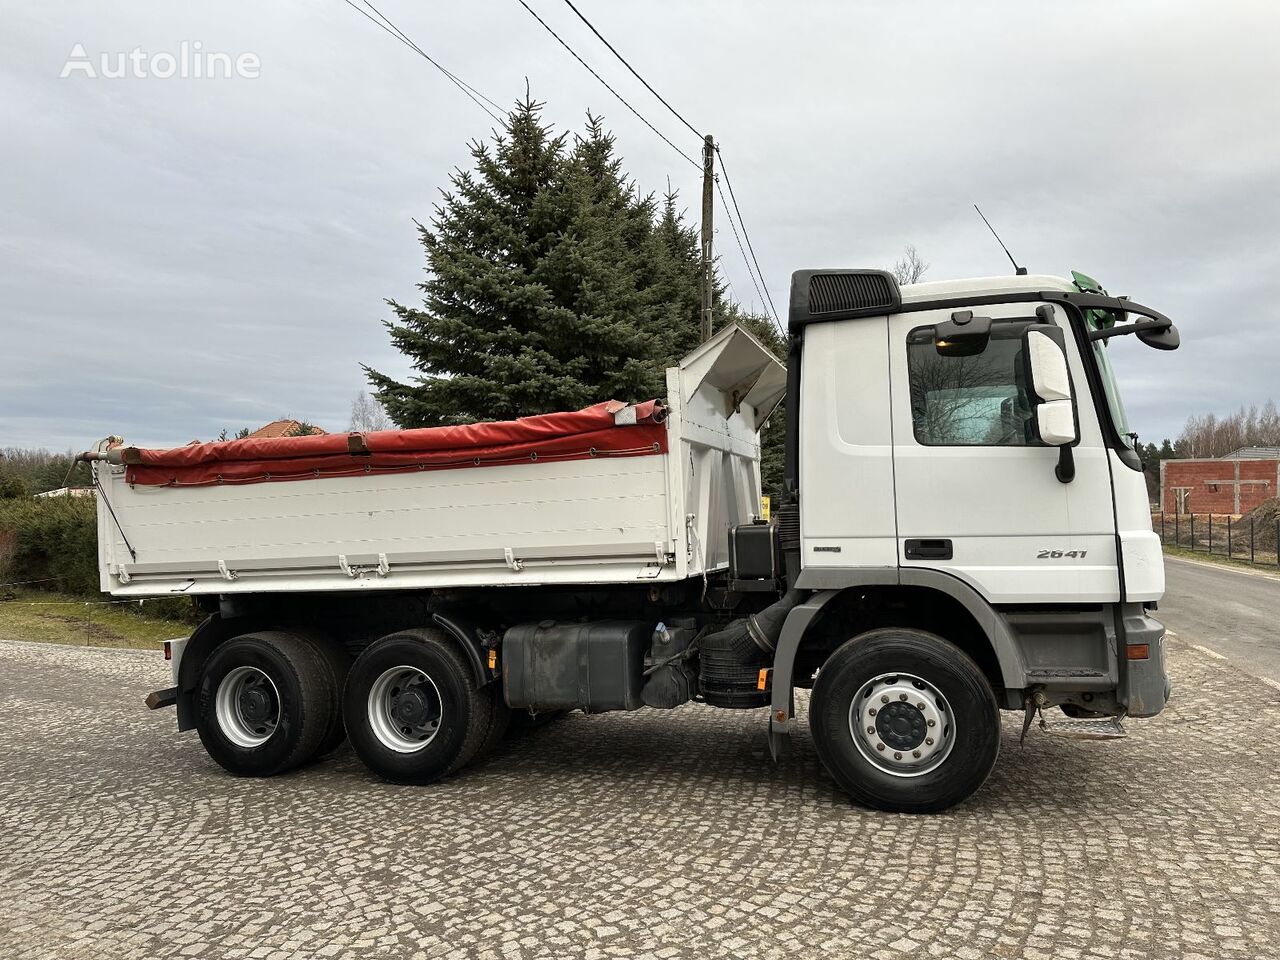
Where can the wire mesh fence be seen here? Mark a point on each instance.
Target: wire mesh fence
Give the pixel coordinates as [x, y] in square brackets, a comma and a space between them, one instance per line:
[1224, 535]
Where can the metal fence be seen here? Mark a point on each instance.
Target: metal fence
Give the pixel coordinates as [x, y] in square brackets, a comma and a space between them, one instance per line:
[1221, 534]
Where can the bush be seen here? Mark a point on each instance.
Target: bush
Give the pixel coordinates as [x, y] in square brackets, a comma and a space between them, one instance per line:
[50, 538]
[13, 487]
[56, 540]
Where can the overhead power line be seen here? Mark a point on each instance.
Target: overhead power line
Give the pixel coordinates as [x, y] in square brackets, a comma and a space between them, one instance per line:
[745, 261]
[676, 113]
[471, 92]
[729, 183]
[765, 298]
[619, 96]
[448, 73]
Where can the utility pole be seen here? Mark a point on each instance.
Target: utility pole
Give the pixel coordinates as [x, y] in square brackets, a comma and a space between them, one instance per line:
[708, 274]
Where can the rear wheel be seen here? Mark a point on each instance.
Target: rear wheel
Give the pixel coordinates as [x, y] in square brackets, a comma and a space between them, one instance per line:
[265, 703]
[904, 721]
[412, 709]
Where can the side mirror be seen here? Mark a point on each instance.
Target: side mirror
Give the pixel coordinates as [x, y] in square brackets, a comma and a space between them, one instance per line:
[1163, 339]
[964, 335]
[1049, 384]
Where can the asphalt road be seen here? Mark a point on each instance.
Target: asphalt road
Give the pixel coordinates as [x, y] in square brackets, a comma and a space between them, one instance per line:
[1232, 612]
[660, 834]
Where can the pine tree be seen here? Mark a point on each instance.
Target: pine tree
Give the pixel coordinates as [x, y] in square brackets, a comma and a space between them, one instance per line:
[550, 286]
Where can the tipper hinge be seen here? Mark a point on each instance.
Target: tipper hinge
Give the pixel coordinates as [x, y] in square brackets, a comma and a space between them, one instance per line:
[354, 572]
[513, 564]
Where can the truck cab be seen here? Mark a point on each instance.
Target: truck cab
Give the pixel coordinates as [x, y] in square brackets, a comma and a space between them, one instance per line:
[959, 461]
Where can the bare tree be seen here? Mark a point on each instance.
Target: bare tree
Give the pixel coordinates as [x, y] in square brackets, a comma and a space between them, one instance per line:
[1209, 435]
[911, 267]
[367, 414]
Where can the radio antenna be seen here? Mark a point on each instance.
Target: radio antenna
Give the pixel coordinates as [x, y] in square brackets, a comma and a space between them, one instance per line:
[1019, 271]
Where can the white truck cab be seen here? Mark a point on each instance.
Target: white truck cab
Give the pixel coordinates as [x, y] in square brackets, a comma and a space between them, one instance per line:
[961, 448]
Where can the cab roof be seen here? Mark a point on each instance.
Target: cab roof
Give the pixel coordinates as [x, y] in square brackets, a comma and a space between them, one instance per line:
[982, 286]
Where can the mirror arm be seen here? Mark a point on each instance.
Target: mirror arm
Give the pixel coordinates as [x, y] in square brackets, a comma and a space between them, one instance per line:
[1125, 328]
[1065, 471]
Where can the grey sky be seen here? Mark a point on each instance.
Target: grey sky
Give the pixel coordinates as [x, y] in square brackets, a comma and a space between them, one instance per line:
[181, 255]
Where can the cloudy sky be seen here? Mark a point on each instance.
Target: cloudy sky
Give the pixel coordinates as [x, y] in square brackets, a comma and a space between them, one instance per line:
[180, 255]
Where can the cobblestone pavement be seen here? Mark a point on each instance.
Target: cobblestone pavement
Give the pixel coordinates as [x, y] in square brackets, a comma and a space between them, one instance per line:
[657, 834]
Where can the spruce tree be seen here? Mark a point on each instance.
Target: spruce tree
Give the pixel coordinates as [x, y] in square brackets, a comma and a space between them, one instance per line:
[549, 285]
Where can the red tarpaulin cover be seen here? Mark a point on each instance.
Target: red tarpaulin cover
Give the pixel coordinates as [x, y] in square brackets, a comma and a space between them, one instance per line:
[581, 435]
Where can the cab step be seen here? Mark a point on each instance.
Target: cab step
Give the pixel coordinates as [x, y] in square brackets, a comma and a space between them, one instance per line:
[1105, 728]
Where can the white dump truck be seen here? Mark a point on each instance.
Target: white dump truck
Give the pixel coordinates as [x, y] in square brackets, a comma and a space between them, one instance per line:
[964, 529]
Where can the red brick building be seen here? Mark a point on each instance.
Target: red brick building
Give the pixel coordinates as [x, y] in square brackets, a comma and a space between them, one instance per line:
[1235, 483]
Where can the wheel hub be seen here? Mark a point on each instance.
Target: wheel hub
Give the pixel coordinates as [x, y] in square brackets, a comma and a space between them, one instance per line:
[405, 709]
[255, 705]
[410, 707]
[247, 706]
[902, 724]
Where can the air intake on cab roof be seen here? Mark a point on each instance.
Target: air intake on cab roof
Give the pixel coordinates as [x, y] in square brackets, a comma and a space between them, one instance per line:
[841, 292]
[822, 295]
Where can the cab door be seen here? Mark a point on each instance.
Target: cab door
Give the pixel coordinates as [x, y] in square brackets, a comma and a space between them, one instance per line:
[976, 494]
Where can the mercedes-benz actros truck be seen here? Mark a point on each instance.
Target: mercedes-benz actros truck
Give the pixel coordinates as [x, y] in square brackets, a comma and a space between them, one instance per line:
[963, 529]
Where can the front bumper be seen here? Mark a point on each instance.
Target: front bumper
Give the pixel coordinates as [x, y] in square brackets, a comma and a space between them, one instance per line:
[1146, 687]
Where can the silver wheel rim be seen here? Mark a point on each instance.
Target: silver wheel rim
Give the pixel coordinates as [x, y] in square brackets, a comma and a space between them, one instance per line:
[902, 724]
[248, 707]
[405, 709]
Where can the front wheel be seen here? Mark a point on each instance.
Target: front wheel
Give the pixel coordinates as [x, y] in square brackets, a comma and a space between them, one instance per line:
[904, 721]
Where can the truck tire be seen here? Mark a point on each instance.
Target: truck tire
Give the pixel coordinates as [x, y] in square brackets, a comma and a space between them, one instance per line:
[499, 721]
[265, 703]
[412, 709]
[339, 664]
[904, 721]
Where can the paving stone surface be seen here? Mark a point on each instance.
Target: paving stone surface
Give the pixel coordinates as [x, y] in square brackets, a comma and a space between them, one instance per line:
[658, 834]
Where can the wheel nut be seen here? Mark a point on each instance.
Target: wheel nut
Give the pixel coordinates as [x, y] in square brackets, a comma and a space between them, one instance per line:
[916, 754]
[879, 746]
[928, 741]
[871, 712]
[932, 722]
[920, 705]
[871, 729]
[897, 756]
[884, 698]
[902, 696]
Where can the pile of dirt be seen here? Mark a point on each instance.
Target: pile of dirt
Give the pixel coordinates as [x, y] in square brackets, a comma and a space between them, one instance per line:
[1263, 517]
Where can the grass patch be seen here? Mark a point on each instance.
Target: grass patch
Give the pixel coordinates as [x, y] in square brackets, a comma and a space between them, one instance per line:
[47, 617]
[1183, 553]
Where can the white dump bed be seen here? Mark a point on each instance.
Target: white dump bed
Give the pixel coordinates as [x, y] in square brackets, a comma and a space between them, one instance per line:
[597, 520]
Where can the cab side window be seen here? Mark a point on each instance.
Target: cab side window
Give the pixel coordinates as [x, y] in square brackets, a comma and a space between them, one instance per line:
[980, 400]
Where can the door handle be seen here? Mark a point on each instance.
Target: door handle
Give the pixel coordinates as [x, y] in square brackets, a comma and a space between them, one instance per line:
[927, 549]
